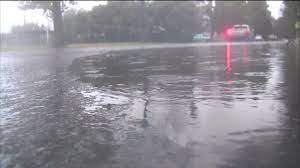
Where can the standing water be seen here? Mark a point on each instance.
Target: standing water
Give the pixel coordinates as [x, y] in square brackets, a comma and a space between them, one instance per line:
[210, 106]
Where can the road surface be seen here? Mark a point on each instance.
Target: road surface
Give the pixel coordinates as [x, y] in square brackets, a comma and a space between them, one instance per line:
[171, 106]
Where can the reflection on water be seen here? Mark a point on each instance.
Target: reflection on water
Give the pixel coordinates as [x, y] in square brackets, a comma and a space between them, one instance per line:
[228, 57]
[228, 62]
[224, 107]
[219, 106]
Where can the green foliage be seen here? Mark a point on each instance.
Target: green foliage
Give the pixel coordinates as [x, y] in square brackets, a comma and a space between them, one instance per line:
[129, 20]
[76, 22]
[229, 13]
[45, 5]
[157, 20]
[27, 28]
[55, 9]
[285, 25]
[253, 13]
[259, 17]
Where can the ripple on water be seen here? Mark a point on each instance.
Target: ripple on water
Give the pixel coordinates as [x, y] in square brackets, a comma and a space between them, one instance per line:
[188, 100]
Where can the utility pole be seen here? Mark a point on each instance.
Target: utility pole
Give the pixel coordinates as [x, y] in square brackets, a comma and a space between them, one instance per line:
[142, 21]
[24, 23]
[47, 33]
[24, 18]
[211, 19]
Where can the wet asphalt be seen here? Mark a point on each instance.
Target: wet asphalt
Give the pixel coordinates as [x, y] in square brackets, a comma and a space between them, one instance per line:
[171, 106]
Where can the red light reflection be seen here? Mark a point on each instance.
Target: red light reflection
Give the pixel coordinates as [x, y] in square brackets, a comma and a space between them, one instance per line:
[228, 32]
[228, 62]
[228, 57]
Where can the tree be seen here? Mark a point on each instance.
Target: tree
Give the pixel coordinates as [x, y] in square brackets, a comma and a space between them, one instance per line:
[181, 20]
[55, 9]
[117, 21]
[29, 33]
[285, 25]
[77, 26]
[29, 27]
[123, 21]
[229, 13]
[210, 10]
[259, 17]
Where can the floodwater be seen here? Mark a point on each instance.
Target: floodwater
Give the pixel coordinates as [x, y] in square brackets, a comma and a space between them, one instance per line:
[228, 106]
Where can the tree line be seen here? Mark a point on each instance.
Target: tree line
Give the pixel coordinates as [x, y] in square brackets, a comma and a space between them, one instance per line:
[285, 25]
[166, 21]
[163, 21]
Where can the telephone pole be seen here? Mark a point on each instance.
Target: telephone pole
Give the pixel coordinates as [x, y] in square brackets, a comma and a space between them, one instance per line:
[23, 37]
[142, 27]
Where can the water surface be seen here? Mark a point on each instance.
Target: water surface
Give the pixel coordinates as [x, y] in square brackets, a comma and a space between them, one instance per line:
[211, 106]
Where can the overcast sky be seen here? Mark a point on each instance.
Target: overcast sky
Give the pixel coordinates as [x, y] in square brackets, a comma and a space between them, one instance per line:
[11, 15]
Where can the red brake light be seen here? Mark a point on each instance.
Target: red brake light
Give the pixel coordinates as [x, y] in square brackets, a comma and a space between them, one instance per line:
[228, 32]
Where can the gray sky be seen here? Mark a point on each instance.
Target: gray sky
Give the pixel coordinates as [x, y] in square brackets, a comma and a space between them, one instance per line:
[11, 15]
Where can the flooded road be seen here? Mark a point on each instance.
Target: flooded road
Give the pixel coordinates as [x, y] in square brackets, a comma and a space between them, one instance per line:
[232, 105]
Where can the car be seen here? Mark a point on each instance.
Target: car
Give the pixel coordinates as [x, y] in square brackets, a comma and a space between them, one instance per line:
[238, 32]
[272, 37]
[258, 38]
[201, 37]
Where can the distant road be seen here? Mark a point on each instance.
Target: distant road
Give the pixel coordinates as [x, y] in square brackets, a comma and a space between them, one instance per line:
[178, 45]
[96, 49]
